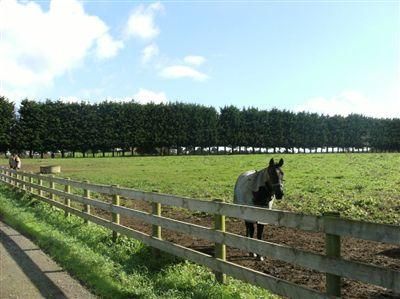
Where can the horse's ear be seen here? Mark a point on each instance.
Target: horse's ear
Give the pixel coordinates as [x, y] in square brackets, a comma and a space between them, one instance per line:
[280, 162]
[271, 162]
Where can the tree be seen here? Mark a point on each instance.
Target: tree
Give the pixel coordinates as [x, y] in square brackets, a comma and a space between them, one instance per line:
[7, 122]
[230, 127]
[30, 130]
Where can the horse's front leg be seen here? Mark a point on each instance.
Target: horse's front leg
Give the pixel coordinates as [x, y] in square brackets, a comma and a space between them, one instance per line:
[260, 230]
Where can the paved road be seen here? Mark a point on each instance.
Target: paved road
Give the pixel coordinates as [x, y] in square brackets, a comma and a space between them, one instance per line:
[27, 272]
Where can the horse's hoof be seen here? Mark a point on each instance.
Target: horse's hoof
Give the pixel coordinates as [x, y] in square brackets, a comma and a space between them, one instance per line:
[260, 258]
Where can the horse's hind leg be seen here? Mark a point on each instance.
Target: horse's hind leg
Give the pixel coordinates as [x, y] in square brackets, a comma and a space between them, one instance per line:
[249, 229]
[260, 230]
[250, 233]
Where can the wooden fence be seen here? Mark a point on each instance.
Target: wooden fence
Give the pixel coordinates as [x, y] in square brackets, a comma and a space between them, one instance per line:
[333, 226]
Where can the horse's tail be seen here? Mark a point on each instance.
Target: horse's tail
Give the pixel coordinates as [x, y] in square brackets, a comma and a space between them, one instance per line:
[235, 192]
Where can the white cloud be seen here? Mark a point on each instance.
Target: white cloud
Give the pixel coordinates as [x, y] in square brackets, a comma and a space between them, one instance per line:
[141, 21]
[36, 46]
[107, 47]
[149, 52]
[194, 60]
[351, 102]
[181, 71]
[144, 96]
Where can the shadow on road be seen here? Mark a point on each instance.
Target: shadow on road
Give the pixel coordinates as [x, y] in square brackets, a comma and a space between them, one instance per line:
[38, 277]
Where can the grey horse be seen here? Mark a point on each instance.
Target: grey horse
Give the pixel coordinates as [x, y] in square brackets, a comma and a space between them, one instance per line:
[259, 188]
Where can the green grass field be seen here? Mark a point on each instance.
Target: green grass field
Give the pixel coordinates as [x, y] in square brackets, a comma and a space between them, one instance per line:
[359, 186]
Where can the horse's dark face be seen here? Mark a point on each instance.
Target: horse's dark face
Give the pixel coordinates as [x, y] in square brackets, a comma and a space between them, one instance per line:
[276, 178]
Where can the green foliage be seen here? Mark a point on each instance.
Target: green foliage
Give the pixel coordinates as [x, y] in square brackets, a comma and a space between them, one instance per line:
[51, 126]
[7, 122]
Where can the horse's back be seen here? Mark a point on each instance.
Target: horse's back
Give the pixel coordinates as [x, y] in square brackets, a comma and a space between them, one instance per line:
[242, 191]
[247, 183]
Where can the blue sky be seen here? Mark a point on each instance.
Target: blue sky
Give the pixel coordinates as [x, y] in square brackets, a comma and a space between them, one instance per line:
[323, 56]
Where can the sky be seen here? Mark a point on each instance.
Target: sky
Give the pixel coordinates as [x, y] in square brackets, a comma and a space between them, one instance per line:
[330, 57]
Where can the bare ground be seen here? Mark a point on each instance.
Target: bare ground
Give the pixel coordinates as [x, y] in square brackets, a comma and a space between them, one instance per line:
[384, 255]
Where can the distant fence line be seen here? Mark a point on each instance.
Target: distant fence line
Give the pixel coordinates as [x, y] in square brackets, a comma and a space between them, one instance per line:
[334, 227]
[197, 150]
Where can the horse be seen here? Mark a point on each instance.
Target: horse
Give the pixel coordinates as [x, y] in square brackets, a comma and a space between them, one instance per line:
[259, 188]
[14, 161]
[17, 160]
[11, 162]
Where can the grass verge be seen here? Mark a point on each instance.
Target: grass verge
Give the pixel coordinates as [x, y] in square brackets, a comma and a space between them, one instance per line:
[125, 269]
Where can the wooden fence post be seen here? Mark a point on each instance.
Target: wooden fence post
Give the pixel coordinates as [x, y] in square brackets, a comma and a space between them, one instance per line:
[31, 182]
[15, 177]
[40, 182]
[115, 216]
[220, 249]
[156, 211]
[67, 201]
[22, 177]
[86, 208]
[332, 249]
[17, 184]
[52, 186]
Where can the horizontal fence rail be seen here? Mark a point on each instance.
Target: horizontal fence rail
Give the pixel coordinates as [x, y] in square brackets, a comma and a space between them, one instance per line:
[385, 233]
[336, 266]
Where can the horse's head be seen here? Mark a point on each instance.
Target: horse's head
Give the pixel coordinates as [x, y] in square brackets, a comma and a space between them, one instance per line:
[276, 178]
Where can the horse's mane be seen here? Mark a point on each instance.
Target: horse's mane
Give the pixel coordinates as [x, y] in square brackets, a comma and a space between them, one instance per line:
[261, 177]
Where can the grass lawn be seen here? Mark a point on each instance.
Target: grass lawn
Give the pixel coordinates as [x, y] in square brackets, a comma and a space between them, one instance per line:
[359, 186]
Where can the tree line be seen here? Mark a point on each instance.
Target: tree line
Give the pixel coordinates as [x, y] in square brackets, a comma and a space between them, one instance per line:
[56, 126]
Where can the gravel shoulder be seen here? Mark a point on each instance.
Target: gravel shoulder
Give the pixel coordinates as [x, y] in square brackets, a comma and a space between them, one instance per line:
[27, 272]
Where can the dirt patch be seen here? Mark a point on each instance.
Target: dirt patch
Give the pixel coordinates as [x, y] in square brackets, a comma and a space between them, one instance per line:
[379, 254]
